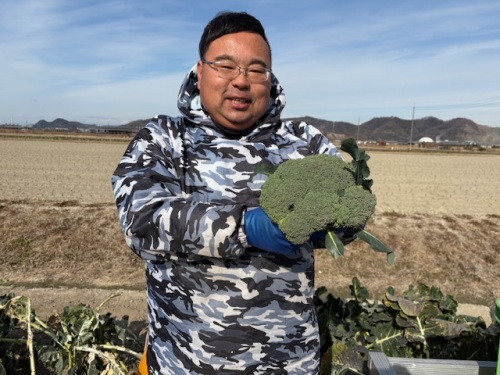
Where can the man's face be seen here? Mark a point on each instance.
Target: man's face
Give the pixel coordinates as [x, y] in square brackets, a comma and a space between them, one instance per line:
[235, 104]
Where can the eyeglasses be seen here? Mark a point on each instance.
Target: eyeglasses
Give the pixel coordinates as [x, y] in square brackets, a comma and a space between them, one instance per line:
[229, 70]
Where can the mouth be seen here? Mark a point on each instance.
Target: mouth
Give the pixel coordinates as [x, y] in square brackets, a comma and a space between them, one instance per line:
[239, 103]
[237, 100]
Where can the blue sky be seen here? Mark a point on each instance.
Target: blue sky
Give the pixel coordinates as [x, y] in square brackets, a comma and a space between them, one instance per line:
[111, 62]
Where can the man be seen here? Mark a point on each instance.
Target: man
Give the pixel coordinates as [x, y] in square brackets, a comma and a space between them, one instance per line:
[227, 293]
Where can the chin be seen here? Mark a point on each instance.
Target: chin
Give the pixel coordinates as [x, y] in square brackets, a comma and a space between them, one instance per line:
[236, 126]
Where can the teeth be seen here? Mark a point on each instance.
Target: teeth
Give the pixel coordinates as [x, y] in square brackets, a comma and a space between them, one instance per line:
[239, 100]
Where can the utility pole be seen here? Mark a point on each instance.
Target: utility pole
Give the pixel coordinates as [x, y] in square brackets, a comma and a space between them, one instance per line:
[411, 128]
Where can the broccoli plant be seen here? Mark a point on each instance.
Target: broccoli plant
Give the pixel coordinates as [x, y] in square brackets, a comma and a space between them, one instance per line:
[422, 322]
[497, 317]
[78, 341]
[323, 193]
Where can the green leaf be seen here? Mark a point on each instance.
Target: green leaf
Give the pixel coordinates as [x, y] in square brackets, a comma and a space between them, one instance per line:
[421, 323]
[497, 310]
[350, 146]
[359, 292]
[121, 327]
[359, 162]
[408, 309]
[403, 321]
[334, 244]
[367, 185]
[448, 304]
[84, 330]
[436, 328]
[60, 364]
[497, 317]
[376, 244]
[387, 339]
[450, 330]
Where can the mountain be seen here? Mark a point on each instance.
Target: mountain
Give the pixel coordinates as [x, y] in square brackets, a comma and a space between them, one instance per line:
[394, 129]
[388, 129]
[62, 124]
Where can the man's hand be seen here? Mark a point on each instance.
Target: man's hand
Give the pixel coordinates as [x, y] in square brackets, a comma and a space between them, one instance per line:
[262, 233]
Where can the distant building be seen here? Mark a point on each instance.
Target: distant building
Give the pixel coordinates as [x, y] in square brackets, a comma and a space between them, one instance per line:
[425, 140]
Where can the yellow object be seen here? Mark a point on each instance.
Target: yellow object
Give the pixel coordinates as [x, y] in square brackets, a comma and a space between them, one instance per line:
[143, 366]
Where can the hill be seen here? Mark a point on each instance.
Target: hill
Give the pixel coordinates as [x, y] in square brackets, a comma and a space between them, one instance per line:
[388, 129]
[394, 129]
[61, 124]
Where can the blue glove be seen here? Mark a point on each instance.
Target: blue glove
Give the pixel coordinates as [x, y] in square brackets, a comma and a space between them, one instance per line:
[318, 236]
[264, 234]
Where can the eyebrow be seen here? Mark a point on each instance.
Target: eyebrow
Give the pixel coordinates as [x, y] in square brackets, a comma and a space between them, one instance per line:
[231, 58]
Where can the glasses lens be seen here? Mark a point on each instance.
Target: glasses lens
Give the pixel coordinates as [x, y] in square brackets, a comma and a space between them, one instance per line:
[229, 70]
[226, 70]
[257, 74]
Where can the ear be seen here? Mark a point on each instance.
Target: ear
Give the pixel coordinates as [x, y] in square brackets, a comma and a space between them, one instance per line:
[199, 70]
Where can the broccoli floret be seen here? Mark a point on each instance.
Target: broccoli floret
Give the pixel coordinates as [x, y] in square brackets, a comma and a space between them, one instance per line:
[315, 193]
[321, 192]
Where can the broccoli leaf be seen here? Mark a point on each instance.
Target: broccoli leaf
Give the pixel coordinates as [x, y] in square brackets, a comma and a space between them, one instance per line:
[359, 292]
[376, 244]
[334, 244]
[359, 162]
[497, 313]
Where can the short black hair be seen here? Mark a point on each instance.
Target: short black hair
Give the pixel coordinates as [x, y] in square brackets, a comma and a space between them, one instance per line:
[229, 23]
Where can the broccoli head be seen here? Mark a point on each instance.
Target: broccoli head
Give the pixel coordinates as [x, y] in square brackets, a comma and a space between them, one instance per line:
[315, 193]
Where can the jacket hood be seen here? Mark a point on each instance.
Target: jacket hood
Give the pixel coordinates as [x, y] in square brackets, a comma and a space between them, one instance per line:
[189, 102]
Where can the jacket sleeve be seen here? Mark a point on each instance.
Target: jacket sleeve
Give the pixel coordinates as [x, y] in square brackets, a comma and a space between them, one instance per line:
[158, 218]
[317, 142]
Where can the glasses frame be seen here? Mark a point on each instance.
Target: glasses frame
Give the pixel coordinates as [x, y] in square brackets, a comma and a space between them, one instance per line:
[240, 70]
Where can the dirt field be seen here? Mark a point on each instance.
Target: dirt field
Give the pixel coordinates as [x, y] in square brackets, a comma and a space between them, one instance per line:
[61, 242]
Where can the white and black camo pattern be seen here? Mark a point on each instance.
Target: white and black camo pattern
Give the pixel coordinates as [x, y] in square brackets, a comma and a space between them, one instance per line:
[215, 305]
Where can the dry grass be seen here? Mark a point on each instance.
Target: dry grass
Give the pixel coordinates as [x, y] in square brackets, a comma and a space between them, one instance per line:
[457, 253]
[441, 214]
[65, 244]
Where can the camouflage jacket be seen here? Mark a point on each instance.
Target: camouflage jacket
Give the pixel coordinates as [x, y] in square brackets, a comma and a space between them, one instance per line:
[215, 304]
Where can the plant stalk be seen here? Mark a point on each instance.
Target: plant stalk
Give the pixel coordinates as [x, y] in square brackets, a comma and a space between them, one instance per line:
[30, 337]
